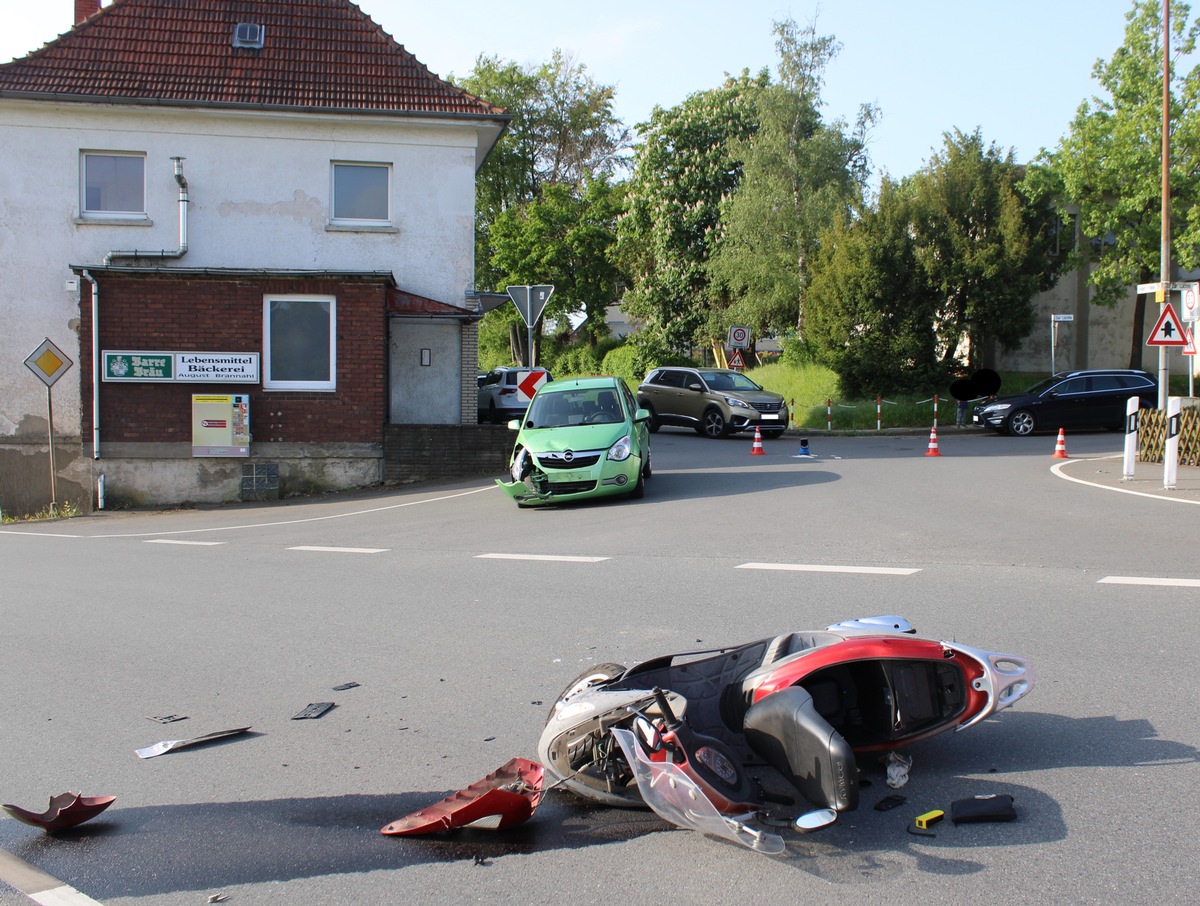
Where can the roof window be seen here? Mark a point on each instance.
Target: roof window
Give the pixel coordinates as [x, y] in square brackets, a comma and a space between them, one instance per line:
[248, 34]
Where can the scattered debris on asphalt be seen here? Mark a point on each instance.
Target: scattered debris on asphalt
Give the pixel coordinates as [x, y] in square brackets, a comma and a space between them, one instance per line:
[313, 711]
[170, 745]
[66, 810]
[504, 798]
[344, 686]
[167, 718]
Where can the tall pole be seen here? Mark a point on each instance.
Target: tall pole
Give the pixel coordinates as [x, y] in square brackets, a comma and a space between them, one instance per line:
[1165, 262]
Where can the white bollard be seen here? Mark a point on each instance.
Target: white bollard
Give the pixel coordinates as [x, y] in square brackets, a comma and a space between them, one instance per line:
[1132, 409]
[1171, 448]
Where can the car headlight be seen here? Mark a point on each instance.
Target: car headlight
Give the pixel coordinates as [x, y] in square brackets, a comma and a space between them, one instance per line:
[741, 404]
[621, 450]
[999, 407]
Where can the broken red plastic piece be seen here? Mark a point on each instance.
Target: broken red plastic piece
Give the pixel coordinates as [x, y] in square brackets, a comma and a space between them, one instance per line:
[66, 810]
[504, 798]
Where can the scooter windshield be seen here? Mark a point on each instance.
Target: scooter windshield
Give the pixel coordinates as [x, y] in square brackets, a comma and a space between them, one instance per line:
[677, 798]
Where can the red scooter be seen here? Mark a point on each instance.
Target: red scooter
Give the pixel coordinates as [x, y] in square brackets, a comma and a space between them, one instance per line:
[708, 739]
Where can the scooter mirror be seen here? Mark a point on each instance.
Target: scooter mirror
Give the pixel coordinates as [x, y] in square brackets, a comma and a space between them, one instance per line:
[815, 820]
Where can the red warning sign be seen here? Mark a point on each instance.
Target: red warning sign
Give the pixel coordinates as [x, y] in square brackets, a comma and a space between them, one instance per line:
[736, 360]
[1168, 330]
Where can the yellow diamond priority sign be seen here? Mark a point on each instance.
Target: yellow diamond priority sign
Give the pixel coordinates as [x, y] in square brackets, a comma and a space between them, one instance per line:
[48, 362]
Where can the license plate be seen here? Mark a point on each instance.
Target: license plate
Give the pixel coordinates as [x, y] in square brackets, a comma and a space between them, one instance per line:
[770, 416]
[571, 476]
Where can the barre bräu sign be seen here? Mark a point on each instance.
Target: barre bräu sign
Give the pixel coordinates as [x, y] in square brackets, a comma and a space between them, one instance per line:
[184, 367]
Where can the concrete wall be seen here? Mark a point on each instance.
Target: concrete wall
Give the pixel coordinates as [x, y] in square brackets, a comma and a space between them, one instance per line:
[1098, 337]
[425, 393]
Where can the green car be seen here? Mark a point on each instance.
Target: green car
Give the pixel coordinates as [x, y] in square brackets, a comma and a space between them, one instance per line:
[580, 438]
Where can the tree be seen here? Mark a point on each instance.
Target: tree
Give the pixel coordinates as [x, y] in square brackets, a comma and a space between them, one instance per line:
[564, 238]
[684, 167]
[799, 175]
[870, 306]
[1107, 170]
[984, 248]
[563, 132]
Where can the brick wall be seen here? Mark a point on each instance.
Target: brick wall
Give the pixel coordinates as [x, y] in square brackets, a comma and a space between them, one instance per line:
[429, 452]
[223, 314]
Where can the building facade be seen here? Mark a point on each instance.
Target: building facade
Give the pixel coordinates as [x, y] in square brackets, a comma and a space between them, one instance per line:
[276, 196]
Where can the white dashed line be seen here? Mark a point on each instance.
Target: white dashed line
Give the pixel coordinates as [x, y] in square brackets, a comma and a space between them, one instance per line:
[192, 543]
[1149, 580]
[822, 568]
[39, 886]
[552, 557]
[340, 550]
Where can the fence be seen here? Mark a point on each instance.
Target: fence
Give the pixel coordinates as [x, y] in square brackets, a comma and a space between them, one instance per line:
[919, 412]
[1152, 436]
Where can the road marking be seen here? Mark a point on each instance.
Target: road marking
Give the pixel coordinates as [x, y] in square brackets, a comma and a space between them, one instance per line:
[821, 568]
[557, 558]
[1057, 469]
[340, 550]
[194, 543]
[39, 886]
[1149, 580]
[254, 525]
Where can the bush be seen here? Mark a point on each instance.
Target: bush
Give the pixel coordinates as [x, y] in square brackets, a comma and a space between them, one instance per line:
[625, 361]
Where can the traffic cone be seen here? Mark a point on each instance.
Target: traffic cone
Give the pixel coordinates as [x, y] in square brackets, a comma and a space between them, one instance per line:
[933, 447]
[757, 449]
[804, 451]
[1060, 448]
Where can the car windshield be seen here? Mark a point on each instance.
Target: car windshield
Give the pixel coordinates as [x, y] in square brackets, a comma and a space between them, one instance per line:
[723, 380]
[575, 406]
[1042, 386]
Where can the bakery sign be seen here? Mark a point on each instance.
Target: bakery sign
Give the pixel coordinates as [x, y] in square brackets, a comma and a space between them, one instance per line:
[182, 367]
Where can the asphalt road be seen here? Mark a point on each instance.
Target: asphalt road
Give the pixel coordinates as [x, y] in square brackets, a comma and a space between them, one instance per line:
[242, 616]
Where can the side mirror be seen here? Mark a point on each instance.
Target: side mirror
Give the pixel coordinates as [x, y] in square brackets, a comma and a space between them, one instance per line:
[699, 388]
[642, 415]
[514, 425]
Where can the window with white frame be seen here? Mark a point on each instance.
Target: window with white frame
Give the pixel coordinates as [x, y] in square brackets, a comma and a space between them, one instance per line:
[361, 193]
[113, 184]
[299, 343]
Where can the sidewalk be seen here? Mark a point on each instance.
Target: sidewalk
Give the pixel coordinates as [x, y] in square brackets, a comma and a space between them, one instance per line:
[1147, 478]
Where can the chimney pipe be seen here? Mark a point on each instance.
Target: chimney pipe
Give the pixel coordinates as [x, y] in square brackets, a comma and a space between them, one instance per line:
[85, 8]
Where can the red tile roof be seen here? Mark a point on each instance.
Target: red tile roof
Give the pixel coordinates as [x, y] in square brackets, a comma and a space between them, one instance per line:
[317, 54]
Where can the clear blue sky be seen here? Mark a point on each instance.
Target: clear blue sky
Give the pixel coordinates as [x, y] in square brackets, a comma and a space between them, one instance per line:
[1017, 70]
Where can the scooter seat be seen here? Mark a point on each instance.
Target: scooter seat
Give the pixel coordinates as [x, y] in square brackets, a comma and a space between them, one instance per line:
[787, 732]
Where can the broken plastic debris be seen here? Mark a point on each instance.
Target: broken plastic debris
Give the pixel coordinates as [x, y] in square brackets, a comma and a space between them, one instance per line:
[344, 686]
[316, 709]
[897, 769]
[66, 810]
[168, 718]
[161, 748]
[217, 898]
[504, 798]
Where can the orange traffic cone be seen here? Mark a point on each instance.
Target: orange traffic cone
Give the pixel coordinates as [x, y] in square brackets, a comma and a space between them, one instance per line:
[757, 449]
[933, 447]
[1060, 448]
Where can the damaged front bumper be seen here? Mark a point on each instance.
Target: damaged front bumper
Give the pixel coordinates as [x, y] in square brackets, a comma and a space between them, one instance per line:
[583, 479]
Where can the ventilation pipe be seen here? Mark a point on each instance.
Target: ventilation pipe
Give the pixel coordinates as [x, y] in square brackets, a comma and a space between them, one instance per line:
[97, 365]
[183, 226]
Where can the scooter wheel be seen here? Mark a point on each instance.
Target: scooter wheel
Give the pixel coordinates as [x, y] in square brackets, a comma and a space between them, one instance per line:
[593, 676]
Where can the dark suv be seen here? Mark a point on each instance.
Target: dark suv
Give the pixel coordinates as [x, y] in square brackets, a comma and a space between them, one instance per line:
[713, 401]
[1070, 399]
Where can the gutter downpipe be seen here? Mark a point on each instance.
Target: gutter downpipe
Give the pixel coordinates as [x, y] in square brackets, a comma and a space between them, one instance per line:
[131, 253]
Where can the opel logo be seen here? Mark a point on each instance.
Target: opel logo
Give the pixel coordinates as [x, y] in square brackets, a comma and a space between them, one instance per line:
[568, 456]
